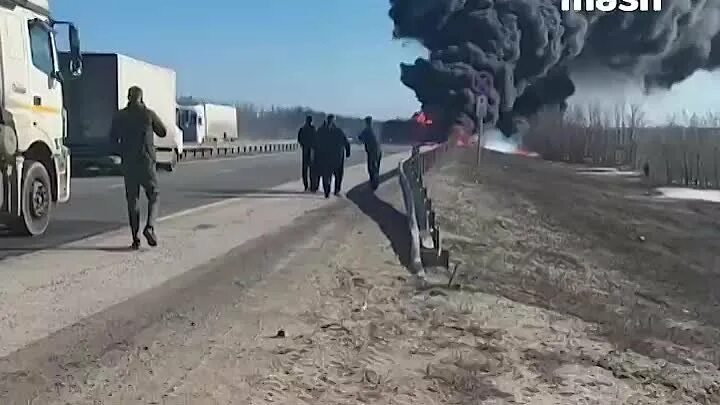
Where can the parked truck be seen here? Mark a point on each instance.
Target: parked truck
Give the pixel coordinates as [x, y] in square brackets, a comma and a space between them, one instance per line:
[34, 163]
[92, 101]
[208, 123]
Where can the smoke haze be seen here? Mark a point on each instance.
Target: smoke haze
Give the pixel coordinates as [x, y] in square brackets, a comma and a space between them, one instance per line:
[524, 54]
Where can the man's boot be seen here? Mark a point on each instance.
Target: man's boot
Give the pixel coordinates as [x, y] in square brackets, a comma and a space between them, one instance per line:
[149, 234]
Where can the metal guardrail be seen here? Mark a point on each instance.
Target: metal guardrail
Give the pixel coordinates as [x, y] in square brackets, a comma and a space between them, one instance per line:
[425, 242]
[213, 150]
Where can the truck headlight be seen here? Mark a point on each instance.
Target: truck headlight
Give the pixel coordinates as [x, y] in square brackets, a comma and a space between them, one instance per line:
[8, 141]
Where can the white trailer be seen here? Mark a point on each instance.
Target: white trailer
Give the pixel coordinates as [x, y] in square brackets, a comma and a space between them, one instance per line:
[92, 101]
[34, 163]
[208, 123]
[221, 122]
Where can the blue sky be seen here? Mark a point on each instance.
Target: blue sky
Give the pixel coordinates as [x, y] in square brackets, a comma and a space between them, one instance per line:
[333, 55]
[337, 56]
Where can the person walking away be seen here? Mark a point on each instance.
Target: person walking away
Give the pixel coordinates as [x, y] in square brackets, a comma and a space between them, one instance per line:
[132, 131]
[332, 149]
[315, 163]
[306, 139]
[373, 151]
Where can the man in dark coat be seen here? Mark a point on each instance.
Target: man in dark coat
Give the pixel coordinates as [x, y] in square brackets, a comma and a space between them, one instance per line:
[132, 131]
[373, 151]
[331, 150]
[306, 139]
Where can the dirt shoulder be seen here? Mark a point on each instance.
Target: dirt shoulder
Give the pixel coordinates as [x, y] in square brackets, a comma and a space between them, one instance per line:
[342, 322]
[637, 275]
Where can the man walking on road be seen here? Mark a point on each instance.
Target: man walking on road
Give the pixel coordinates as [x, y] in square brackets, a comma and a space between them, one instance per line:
[331, 150]
[132, 130]
[374, 152]
[306, 139]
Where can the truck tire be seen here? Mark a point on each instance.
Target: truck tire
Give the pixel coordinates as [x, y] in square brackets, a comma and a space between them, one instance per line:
[173, 162]
[37, 202]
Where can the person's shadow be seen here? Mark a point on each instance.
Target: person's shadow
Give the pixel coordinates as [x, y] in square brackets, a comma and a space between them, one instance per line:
[392, 222]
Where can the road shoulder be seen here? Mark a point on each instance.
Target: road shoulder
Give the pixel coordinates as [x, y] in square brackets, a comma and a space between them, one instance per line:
[46, 291]
[342, 322]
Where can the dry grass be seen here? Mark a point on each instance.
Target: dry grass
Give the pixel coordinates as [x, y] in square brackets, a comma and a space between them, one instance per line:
[528, 257]
[378, 338]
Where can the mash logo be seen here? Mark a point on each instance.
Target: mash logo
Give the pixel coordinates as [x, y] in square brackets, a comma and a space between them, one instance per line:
[611, 5]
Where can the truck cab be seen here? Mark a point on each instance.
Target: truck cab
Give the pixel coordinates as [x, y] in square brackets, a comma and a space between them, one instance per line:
[191, 119]
[34, 163]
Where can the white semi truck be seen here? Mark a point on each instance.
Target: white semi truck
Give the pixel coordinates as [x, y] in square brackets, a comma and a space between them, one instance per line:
[92, 101]
[208, 123]
[34, 163]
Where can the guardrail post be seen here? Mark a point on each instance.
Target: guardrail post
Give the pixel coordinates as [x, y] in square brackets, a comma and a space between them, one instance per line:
[480, 111]
[417, 164]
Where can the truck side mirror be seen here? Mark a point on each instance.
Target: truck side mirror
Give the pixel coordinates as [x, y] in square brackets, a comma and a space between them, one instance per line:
[57, 76]
[75, 55]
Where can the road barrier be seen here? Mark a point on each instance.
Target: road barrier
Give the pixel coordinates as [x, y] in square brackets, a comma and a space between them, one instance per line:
[223, 149]
[425, 242]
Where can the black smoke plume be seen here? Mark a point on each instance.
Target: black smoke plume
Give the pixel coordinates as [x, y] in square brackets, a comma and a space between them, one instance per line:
[520, 53]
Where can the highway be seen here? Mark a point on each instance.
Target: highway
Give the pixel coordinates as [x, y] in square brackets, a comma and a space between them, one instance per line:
[97, 204]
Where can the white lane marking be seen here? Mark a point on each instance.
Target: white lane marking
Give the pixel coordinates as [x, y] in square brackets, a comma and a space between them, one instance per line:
[116, 186]
[233, 200]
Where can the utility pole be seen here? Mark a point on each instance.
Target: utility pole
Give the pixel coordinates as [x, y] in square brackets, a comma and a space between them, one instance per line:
[480, 111]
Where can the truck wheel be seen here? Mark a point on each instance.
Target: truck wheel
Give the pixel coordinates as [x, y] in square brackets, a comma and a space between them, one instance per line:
[173, 162]
[36, 200]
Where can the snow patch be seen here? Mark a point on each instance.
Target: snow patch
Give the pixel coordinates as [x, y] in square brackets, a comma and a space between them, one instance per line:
[495, 140]
[608, 171]
[689, 194]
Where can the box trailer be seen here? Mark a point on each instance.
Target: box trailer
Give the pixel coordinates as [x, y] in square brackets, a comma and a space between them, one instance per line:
[92, 100]
[221, 122]
[207, 123]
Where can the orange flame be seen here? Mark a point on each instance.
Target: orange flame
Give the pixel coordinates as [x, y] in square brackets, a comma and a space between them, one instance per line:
[422, 119]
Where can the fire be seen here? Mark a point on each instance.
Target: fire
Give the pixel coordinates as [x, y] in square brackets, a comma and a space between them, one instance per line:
[422, 119]
[460, 136]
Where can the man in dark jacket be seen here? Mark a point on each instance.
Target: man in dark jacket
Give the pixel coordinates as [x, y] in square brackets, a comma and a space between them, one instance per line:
[374, 152]
[331, 150]
[306, 139]
[132, 131]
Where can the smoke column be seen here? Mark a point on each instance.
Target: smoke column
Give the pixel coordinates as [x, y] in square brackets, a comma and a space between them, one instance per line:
[519, 53]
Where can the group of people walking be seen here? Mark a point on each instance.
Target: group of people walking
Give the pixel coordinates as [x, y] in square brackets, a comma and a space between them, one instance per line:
[132, 132]
[325, 149]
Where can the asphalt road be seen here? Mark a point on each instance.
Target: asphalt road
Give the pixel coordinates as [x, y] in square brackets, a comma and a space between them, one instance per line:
[97, 204]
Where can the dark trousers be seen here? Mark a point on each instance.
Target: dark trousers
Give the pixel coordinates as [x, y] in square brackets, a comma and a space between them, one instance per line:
[306, 165]
[373, 168]
[315, 174]
[148, 182]
[327, 178]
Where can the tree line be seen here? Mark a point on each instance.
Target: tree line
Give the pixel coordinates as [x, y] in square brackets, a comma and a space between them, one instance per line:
[255, 122]
[684, 152]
